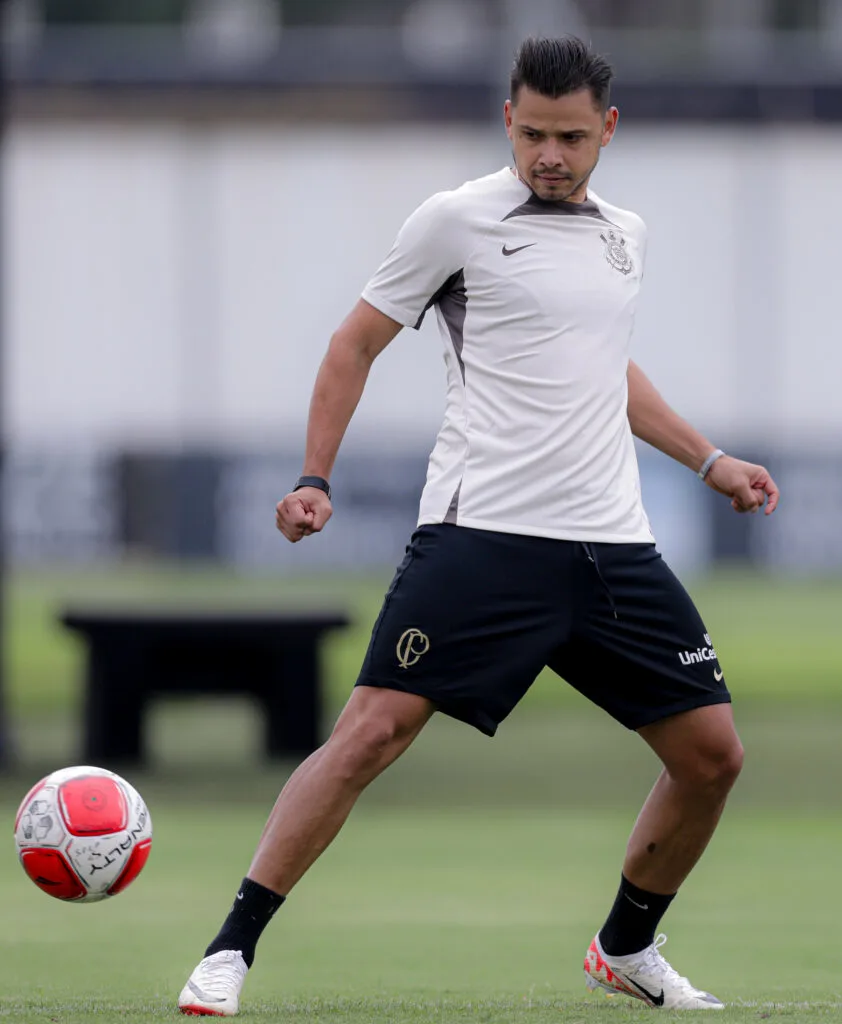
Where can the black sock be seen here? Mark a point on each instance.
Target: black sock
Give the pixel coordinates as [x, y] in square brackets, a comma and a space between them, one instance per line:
[633, 919]
[251, 911]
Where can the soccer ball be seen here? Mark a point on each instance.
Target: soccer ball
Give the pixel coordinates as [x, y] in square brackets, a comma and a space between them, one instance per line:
[83, 834]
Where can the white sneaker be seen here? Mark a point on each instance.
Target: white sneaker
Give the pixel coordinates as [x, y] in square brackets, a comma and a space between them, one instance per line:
[645, 975]
[213, 989]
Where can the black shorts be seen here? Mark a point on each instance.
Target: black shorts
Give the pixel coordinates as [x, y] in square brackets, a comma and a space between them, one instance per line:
[472, 616]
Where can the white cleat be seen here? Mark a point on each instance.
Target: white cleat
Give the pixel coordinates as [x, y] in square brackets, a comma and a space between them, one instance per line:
[213, 989]
[647, 976]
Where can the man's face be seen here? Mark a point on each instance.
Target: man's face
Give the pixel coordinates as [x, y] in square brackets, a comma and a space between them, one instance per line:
[556, 142]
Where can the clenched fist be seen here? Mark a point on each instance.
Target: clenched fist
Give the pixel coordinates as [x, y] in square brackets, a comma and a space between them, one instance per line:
[748, 486]
[303, 512]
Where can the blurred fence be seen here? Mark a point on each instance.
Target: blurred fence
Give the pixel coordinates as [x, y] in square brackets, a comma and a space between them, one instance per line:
[96, 508]
[394, 41]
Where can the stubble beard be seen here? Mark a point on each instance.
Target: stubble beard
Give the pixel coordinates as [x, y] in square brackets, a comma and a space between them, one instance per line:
[558, 193]
[555, 193]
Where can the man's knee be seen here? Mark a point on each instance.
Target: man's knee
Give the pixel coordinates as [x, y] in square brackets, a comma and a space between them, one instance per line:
[699, 749]
[713, 766]
[373, 733]
[367, 745]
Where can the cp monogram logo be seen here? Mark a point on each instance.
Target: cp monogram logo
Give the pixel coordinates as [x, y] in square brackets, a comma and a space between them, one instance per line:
[412, 645]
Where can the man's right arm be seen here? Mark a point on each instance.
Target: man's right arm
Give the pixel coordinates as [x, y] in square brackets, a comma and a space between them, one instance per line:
[355, 345]
[429, 248]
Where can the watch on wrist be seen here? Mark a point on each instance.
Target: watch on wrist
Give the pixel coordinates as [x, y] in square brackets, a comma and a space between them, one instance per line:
[313, 481]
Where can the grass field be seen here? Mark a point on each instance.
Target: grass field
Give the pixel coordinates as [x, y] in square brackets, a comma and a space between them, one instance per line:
[466, 886]
[473, 874]
[436, 914]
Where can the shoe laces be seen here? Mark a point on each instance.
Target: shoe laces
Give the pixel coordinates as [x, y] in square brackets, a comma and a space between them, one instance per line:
[652, 962]
[224, 969]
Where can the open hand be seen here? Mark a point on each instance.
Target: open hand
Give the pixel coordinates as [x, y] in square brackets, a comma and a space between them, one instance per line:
[748, 486]
[303, 512]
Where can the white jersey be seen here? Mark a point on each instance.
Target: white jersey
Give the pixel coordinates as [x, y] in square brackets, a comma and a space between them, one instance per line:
[535, 303]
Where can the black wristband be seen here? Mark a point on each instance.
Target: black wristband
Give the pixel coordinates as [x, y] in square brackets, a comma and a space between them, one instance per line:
[313, 481]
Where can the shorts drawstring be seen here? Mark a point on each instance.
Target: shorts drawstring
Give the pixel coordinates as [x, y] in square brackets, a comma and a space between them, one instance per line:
[589, 551]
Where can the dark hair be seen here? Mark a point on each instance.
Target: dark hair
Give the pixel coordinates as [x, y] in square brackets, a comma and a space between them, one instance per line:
[555, 67]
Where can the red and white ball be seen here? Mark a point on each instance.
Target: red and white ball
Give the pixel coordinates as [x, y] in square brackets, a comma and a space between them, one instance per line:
[83, 834]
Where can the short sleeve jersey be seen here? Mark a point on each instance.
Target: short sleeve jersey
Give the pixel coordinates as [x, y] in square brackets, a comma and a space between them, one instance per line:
[535, 303]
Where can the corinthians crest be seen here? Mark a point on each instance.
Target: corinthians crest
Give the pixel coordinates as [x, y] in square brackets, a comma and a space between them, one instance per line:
[616, 254]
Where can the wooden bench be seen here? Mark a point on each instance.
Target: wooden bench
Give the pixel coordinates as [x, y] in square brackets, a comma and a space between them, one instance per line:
[135, 655]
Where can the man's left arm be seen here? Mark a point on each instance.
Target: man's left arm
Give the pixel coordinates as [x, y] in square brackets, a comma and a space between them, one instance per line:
[747, 485]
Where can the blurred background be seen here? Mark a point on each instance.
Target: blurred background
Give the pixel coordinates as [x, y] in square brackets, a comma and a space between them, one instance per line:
[194, 193]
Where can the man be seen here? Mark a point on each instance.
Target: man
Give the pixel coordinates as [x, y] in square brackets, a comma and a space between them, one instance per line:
[533, 547]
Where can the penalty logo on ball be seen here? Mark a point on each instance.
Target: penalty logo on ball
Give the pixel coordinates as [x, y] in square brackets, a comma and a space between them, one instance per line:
[83, 834]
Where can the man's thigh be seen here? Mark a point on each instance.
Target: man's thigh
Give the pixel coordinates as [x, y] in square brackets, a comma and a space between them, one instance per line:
[471, 618]
[641, 650]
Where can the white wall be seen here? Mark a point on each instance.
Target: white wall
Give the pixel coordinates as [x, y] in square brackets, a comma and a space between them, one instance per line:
[171, 282]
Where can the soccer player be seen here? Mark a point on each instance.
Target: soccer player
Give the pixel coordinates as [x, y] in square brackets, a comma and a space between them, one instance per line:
[532, 547]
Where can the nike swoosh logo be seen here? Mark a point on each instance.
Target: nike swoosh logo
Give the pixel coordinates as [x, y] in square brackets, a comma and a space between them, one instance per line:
[655, 1000]
[511, 252]
[643, 906]
[207, 998]
[239, 895]
[718, 674]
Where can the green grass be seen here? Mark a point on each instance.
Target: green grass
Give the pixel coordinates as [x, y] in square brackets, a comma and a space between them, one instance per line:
[526, 1010]
[433, 914]
[465, 886]
[473, 874]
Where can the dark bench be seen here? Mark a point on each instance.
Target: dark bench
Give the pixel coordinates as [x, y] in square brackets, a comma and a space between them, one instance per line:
[135, 655]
